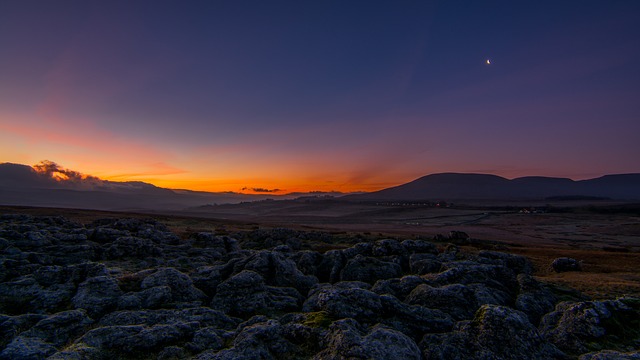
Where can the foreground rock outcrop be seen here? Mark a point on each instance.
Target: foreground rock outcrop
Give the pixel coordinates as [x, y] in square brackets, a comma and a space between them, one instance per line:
[130, 288]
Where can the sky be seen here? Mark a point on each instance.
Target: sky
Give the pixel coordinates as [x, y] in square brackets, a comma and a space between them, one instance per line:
[320, 95]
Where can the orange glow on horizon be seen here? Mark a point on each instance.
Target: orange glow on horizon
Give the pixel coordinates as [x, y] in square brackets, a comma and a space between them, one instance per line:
[246, 187]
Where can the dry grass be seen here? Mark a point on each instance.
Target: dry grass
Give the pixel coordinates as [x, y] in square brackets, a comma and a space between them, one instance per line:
[604, 274]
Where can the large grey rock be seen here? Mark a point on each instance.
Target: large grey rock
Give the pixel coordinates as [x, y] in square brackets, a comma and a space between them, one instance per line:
[340, 301]
[263, 340]
[208, 338]
[349, 340]
[16, 296]
[387, 247]
[421, 264]
[12, 326]
[246, 294]
[131, 247]
[470, 272]
[412, 320]
[207, 278]
[27, 348]
[364, 249]
[331, 265]
[277, 270]
[399, 288]
[97, 295]
[223, 244]
[369, 270]
[203, 316]
[611, 355]
[76, 273]
[181, 285]
[577, 328]
[132, 340]
[565, 264]
[534, 299]
[357, 303]
[419, 247]
[457, 300]
[496, 332]
[518, 263]
[59, 328]
[308, 261]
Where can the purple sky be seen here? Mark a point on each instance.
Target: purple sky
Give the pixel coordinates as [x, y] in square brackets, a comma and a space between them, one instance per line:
[322, 95]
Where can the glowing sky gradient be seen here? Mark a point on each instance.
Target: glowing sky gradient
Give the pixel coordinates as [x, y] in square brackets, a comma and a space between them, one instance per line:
[320, 95]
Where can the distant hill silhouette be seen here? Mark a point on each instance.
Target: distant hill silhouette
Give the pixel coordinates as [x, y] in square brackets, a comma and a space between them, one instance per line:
[49, 185]
[491, 187]
[23, 185]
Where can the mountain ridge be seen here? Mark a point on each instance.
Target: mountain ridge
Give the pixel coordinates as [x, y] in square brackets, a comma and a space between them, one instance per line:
[23, 185]
[49, 185]
[474, 186]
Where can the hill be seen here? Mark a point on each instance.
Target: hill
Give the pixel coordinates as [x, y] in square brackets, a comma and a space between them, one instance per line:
[450, 186]
[49, 185]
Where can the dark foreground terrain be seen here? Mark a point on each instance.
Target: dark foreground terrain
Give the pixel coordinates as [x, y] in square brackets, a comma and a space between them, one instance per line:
[136, 288]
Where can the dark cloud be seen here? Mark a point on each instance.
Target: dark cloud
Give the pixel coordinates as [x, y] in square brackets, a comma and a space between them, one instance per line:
[261, 190]
[53, 170]
[67, 177]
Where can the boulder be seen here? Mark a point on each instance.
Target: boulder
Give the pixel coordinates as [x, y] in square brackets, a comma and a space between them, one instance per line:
[172, 353]
[611, 355]
[12, 326]
[61, 327]
[349, 340]
[387, 247]
[412, 320]
[131, 247]
[262, 340]
[364, 249]
[208, 338]
[203, 316]
[399, 288]
[207, 278]
[495, 277]
[135, 340]
[496, 332]
[369, 270]
[27, 348]
[246, 294]
[357, 303]
[457, 300]
[565, 264]
[518, 263]
[534, 299]
[350, 300]
[16, 296]
[223, 244]
[581, 327]
[181, 285]
[331, 265]
[308, 261]
[277, 270]
[97, 295]
[421, 264]
[419, 247]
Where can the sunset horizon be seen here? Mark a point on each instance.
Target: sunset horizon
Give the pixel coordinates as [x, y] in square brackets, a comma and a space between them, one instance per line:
[320, 97]
[58, 172]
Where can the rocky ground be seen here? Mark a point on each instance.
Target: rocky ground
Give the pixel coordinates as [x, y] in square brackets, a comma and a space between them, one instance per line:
[131, 289]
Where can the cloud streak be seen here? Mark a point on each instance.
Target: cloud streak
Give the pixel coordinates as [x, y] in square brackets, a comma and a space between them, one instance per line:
[261, 190]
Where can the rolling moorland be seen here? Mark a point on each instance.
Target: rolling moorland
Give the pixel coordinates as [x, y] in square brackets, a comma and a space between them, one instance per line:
[366, 276]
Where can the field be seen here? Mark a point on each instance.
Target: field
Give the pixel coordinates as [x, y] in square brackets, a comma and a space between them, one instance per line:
[607, 242]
